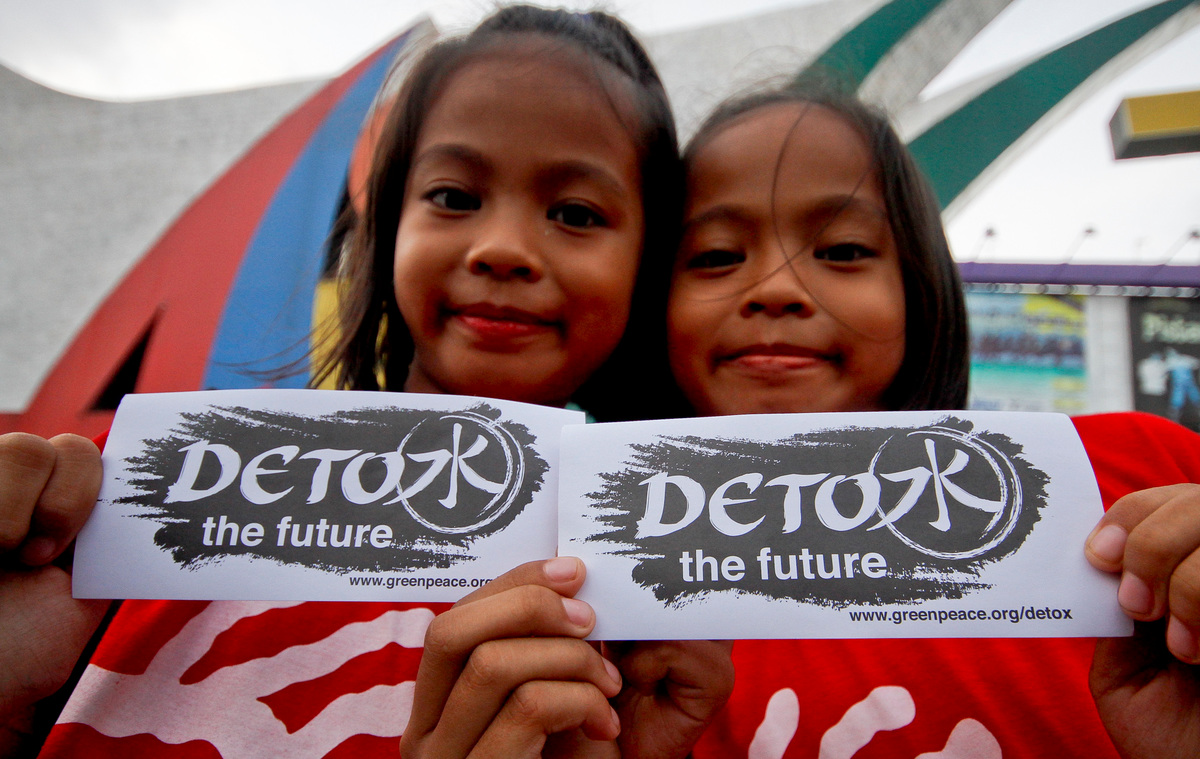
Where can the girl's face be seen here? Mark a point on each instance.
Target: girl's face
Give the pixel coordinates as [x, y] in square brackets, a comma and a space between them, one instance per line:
[787, 294]
[521, 229]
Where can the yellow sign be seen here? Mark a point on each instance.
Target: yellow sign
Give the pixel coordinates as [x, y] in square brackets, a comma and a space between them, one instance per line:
[1156, 125]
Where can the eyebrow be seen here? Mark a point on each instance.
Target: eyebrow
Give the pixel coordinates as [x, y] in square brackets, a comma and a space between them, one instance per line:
[727, 213]
[827, 209]
[452, 152]
[564, 172]
[554, 174]
[836, 205]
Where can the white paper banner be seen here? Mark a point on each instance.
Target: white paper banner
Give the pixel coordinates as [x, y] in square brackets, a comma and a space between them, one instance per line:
[319, 495]
[886, 525]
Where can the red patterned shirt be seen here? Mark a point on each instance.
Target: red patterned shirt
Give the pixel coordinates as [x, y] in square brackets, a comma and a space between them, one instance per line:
[238, 679]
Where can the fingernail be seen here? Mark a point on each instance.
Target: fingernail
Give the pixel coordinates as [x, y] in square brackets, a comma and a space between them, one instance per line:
[1182, 641]
[613, 672]
[578, 612]
[561, 569]
[1135, 595]
[616, 721]
[1109, 543]
[38, 551]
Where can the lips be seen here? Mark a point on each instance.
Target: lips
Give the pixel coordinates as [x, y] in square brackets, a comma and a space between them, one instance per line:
[775, 358]
[496, 322]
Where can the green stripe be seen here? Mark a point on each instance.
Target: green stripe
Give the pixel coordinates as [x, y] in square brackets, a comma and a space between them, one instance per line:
[855, 54]
[957, 149]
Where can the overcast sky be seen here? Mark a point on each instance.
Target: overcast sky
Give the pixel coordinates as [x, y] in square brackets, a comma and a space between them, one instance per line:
[1039, 209]
[134, 49]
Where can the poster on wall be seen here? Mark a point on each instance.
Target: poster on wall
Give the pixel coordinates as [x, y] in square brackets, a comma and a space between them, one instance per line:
[1164, 336]
[1027, 352]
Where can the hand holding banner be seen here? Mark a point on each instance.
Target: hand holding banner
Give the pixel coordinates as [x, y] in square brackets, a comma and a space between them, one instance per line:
[906, 524]
[894, 524]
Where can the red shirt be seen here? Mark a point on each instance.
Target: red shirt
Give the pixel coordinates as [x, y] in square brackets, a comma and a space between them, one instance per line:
[238, 679]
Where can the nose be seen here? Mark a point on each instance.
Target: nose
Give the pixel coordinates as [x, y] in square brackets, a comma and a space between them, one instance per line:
[505, 248]
[778, 291]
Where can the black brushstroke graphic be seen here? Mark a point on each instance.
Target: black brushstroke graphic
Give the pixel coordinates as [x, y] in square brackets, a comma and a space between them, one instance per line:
[854, 492]
[425, 485]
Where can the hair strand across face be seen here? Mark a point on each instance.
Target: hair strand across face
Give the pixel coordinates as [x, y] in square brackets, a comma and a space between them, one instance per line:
[934, 372]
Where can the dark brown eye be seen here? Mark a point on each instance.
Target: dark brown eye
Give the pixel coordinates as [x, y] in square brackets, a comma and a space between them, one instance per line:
[715, 259]
[844, 253]
[575, 215]
[452, 199]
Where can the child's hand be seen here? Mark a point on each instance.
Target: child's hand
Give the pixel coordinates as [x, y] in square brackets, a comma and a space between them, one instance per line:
[507, 668]
[1147, 688]
[673, 690]
[47, 490]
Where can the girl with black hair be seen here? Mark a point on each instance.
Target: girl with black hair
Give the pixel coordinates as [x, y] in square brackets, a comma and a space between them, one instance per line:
[814, 276]
[517, 235]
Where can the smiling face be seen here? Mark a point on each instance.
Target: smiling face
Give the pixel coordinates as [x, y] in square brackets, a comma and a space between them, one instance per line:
[521, 228]
[787, 293]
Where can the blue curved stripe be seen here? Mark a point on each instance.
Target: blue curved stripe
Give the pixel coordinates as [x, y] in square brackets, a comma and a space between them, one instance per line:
[268, 314]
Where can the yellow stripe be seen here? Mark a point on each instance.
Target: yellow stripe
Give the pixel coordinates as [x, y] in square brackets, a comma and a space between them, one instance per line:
[324, 333]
